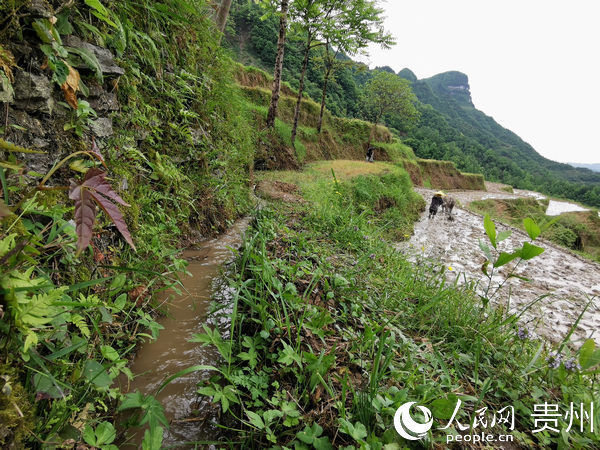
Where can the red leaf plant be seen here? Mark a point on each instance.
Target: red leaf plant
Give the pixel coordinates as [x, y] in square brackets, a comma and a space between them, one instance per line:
[94, 189]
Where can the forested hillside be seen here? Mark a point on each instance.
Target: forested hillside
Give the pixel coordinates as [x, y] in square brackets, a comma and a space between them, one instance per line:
[593, 167]
[450, 127]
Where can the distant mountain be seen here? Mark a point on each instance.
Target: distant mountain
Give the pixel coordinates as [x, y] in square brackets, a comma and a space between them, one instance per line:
[593, 167]
[452, 128]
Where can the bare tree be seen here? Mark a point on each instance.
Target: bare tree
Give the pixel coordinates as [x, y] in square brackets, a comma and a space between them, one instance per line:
[222, 14]
[276, 90]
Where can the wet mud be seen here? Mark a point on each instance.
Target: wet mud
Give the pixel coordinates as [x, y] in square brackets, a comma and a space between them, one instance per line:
[570, 280]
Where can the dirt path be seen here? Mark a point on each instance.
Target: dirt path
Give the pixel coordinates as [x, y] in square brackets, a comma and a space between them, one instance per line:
[568, 278]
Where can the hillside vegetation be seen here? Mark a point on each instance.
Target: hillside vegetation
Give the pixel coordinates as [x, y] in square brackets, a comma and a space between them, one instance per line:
[579, 231]
[340, 138]
[450, 127]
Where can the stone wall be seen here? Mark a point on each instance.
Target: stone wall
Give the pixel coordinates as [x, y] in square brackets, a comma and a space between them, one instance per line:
[33, 108]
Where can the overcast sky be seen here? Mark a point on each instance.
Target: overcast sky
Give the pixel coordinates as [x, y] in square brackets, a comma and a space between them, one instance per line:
[533, 65]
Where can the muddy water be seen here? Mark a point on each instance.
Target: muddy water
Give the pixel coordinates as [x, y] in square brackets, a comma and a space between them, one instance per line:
[172, 351]
[555, 208]
[568, 279]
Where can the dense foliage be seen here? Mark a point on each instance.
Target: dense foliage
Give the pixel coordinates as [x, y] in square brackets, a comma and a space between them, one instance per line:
[179, 155]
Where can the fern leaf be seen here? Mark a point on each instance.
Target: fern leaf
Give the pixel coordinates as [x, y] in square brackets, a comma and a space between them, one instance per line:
[89, 59]
[81, 324]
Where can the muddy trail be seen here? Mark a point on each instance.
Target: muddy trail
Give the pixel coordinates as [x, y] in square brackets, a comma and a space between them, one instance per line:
[570, 280]
[189, 414]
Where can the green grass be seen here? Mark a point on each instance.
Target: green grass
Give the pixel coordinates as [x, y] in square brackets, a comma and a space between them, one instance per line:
[397, 151]
[333, 329]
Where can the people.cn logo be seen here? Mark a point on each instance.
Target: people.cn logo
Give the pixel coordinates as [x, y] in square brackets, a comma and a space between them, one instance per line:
[407, 427]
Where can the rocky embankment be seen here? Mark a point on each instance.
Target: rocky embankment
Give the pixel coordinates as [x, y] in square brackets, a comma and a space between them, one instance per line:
[35, 109]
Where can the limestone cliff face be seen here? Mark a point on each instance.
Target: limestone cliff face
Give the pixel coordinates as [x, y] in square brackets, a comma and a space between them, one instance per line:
[453, 83]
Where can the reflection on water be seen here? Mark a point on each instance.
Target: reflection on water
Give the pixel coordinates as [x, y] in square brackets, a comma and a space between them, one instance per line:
[555, 208]
[173, 352]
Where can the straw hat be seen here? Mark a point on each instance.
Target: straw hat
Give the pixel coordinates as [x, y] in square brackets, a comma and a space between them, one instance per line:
[439, 194]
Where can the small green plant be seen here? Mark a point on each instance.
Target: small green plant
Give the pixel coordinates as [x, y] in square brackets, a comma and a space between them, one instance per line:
[80, 118]
[499, 258]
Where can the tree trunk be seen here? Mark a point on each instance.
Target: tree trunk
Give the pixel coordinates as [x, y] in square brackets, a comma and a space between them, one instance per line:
[222, 14]
[301, 87]
[324, 94]
[276, 90]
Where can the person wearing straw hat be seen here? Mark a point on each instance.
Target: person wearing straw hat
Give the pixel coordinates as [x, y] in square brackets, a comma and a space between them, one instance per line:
[436, 202]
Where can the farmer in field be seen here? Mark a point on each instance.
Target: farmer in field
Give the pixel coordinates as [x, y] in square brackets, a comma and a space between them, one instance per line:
[370, 154]
[436, 202]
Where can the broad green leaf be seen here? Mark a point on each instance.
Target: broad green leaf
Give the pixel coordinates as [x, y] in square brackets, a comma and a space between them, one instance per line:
[131, 400]
[288, 355]
[310, 434]
[42, 28]
[31, 340]
[594, 359]
[109, 353]
[120, 302]
[533, 230]
[358, 431]
[255, 420]
[530, 251]
[271, 414]
[442, 408]
[585, 352]
[153, 439]
[209, 391]
[490, 229]
[322, 443]
[505, 258]
[60, 69]
[89, 436]
[154, 412]
[105, 433]
[95, 373]
[503, 235]
[106, 316]
[588, 355]
[118, 282]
